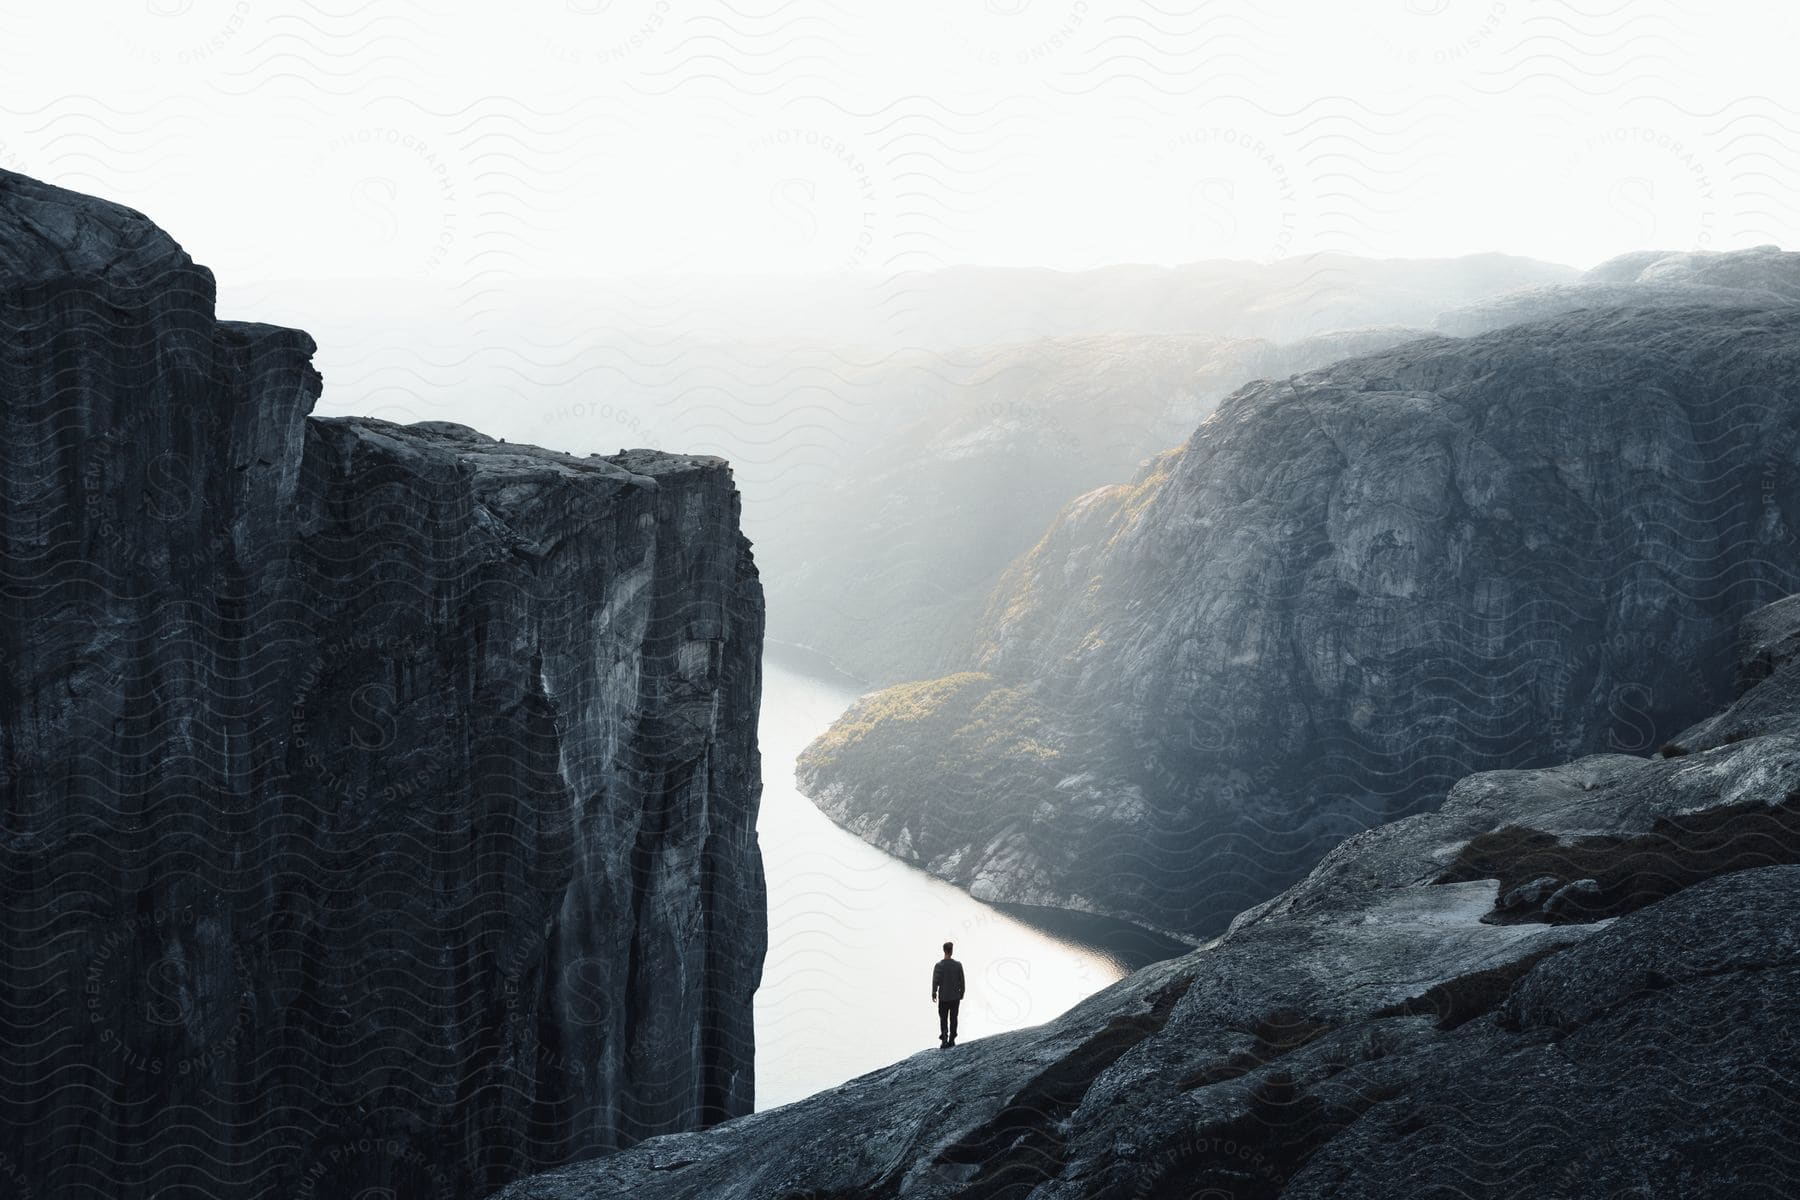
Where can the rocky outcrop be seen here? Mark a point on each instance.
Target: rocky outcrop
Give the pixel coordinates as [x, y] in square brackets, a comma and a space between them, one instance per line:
[379, 800]
[1762, 277]
[1387, 1027]
[1346, 591]
[897, 442]
[966, 459]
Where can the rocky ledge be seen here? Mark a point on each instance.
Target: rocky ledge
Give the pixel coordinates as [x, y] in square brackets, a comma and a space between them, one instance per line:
[379, 801]
[1573, 982]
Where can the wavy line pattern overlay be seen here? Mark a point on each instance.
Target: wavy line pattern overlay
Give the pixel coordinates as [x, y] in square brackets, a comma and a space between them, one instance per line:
[374, 815]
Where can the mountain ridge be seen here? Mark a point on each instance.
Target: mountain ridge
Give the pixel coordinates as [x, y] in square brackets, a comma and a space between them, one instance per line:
[1348, 589]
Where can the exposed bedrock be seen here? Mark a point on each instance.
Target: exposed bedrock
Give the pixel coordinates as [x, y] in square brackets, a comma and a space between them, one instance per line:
[888, 568]
[379, 801]
[1390, 1026]
[1346, 591]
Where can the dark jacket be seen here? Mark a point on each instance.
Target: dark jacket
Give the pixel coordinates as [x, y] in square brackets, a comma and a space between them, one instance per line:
[947, 980]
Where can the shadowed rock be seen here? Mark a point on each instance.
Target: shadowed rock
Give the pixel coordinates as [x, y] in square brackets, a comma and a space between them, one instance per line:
[1347, 590]
[379, 801]
[1366, 1034]
[966, 458]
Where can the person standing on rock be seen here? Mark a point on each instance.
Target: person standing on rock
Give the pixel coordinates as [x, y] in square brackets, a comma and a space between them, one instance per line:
[947, 991]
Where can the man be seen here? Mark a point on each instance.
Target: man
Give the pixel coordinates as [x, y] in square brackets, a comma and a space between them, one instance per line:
[947, 990]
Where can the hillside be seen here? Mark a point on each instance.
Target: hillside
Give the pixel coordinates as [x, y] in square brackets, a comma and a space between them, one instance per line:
[1572, 982]
[1345, 591]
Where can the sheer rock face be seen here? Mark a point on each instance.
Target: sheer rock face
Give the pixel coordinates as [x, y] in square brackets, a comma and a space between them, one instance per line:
[379, 801]
[1345, 592]
[887, 571]
[1388, 1026]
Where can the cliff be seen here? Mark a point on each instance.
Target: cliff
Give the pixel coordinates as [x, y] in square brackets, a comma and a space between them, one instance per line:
[965, 459]
[1572, 982]
[905, 484]
[1347, 590]
[379, 801]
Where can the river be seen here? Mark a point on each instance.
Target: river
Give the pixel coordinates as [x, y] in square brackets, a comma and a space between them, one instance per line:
[853, 932]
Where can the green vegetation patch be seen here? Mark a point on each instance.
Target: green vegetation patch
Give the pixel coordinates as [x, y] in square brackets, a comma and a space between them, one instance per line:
[929, 707]
[959, 723]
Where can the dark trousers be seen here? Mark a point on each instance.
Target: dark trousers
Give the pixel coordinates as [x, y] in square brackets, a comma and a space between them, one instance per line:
[947, 1017]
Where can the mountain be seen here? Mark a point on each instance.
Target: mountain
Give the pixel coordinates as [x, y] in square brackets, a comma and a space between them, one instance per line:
[947, 309]
[966, 458]
[898, 441]
[379, 800]
[1573, 982]
[1344, 592]
[960, 307]
[1763, 276]
[950, 455]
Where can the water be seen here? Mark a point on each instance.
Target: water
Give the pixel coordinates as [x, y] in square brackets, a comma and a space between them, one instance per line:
[853, 932]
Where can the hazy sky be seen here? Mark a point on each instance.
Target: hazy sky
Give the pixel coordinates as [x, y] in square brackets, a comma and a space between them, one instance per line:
[460, 142]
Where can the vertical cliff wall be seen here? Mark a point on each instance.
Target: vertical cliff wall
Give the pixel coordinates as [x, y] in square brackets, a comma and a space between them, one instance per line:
[1573, 982]
[378, 801]
[1347, 590]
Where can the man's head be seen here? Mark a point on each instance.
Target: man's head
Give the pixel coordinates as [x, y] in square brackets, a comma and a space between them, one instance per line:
[948, 946]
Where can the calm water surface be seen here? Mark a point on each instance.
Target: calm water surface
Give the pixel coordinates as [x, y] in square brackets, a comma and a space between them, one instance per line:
[853, 932]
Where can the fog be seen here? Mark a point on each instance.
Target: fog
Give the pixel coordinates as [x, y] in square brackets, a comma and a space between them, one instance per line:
[925, 274]
[459, 144]
[828, 241]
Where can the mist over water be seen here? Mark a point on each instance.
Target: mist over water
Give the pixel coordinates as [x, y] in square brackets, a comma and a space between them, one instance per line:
[1216, 428]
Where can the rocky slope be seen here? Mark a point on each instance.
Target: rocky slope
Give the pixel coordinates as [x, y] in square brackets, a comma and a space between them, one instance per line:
[897, 443]
[937, 468]
[1347, 590]
[1573, 982]
[1762, 277]
[886, 564]
[379, 801]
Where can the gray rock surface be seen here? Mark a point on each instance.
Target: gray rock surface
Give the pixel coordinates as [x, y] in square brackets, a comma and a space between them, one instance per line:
[379, 801]
[966, 458]
[1378, 1030]
[1346, 591]
[899, 441]
[1763, 276]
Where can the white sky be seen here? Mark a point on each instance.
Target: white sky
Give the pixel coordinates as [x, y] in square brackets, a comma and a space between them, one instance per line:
[462, 143]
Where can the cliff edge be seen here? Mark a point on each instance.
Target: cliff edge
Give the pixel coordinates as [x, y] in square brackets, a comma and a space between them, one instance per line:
[1346, 591]
[1572, 982]
[379, 801]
